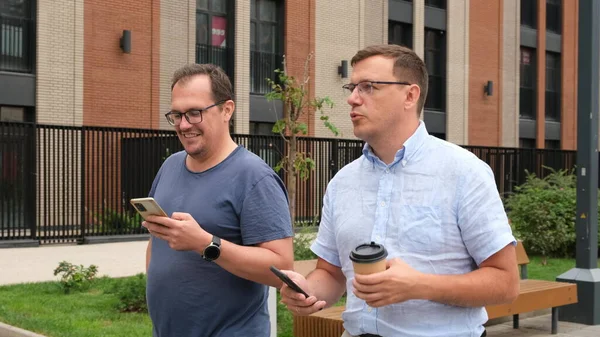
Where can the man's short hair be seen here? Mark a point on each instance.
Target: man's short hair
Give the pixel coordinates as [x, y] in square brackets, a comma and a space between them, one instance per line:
[219, 81]
[408, 66]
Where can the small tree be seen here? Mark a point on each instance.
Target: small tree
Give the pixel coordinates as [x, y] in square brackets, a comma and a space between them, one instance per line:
[296, 104]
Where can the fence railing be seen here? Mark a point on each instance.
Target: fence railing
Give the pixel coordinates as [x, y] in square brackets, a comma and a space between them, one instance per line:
[17, 41]
[221, 56]
[68, 184]
[262, 66]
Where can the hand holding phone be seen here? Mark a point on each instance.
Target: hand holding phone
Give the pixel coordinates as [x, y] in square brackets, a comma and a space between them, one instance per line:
[147, 206]
[282, 276]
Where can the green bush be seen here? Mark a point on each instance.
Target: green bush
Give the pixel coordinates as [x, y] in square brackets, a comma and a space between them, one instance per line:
[75, 277]
[542, 213]
[132, 294]
[305, 235]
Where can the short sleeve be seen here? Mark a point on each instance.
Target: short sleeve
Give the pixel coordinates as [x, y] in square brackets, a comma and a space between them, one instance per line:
[265, 214]
[481, 215]
[325, 244]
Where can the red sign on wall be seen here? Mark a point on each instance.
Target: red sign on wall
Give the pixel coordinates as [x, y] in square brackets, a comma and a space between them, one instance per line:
[219, 27]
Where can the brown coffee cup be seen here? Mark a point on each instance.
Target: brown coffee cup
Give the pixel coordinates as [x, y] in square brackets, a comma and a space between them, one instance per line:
[368, 258]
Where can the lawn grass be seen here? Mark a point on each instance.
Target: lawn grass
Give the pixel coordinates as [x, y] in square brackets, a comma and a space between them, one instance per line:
[45, 309]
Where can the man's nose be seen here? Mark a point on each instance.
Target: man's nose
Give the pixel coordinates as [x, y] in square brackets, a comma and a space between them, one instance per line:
[354, 98]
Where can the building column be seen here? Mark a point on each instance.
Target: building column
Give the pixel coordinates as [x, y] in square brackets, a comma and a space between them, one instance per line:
[419, 28]
[457, 85]
[241, 80]
[511, 28]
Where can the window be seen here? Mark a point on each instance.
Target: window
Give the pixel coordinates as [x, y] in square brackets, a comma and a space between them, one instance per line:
[212, 32]
[552, 144]
[528, 79]
[400, 33]
[435, 60]
[527, 143]
[553, 16]
[436, 3]
[265, 43]
[553, 86]
[12, 114]
[529, 13]
[16, 36]
[261, 128]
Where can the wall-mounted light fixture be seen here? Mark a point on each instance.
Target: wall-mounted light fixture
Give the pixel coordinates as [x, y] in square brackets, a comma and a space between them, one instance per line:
[343, 69]
[488, 89]
[125, 41]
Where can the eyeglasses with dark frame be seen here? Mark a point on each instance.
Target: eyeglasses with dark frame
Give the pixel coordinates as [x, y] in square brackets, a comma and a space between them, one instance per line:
[366, 87]
[193, 116]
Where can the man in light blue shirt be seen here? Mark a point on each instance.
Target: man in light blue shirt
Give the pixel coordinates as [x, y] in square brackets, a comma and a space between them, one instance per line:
[432, 204]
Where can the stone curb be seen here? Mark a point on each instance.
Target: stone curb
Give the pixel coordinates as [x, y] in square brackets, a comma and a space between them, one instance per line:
[11, 331]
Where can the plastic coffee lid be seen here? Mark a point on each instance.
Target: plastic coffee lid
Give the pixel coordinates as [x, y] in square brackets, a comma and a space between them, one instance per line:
[368, 252]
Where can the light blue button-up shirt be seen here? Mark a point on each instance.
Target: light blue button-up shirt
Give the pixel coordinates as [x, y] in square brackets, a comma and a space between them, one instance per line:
[436, 207]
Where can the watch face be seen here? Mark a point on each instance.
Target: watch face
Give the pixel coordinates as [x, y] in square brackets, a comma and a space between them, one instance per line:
[212, 253]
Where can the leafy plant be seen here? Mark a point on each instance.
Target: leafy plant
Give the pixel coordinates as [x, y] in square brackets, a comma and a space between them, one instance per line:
[75, 277]
[132, 294]
[296, 103]
[543, 211]
[302, 241]
[111, 220]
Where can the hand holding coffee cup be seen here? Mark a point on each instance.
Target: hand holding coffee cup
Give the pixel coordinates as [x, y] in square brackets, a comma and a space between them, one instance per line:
[369, 258]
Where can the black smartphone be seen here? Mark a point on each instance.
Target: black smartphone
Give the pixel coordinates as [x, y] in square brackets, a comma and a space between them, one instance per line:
[288, 281]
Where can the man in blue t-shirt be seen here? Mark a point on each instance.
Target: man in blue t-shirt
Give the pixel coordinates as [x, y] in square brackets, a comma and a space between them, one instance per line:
[208, 262]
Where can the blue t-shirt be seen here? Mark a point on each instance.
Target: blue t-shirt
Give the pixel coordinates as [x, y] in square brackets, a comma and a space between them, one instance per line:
[240, 200]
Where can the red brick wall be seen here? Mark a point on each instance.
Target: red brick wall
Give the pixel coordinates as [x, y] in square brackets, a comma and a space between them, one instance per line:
[485, 64]
[569, 47]
[121, 89]
[299, 37]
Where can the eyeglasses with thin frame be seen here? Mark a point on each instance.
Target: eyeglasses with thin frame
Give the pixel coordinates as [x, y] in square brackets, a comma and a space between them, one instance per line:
[366, 87]
[193, 116]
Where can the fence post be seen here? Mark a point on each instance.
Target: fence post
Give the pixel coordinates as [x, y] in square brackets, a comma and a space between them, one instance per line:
[333, 160]
[83, 224]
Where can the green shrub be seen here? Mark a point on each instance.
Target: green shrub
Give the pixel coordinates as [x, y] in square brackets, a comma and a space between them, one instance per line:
[542, 213]
[75, 277]
[132, 294]
[305, 235]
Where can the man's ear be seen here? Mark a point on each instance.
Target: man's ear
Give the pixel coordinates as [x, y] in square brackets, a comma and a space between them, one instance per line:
[228, 108]
[412, 97]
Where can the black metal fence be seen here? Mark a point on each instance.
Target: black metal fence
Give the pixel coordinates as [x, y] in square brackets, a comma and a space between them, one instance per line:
[72, 184]
[17, 43]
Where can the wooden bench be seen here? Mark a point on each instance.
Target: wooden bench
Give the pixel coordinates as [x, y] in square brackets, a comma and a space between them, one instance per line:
[534, 295]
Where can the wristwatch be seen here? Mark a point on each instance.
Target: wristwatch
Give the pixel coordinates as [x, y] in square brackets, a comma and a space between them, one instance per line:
[213, 250]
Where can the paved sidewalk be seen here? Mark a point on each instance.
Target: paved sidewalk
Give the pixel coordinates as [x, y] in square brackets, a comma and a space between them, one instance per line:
[19, 265]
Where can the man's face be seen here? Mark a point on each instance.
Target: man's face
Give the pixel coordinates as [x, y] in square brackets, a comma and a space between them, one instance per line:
[384, 107]
[196, 94]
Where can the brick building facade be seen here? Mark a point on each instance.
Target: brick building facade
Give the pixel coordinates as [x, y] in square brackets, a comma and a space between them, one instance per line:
[67, 66]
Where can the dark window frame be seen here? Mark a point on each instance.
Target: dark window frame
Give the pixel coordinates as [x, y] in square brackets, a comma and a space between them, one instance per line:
[553, 86]
[18, 36]
[528, 83]
[529, 13]
[400, 33]
[435, 60]
[554, 16]
[441, 4]
[206, 52]
[264, 61]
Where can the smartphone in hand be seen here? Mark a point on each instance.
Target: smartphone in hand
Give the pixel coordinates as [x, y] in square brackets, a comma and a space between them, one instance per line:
[147, 206]
[282, 276]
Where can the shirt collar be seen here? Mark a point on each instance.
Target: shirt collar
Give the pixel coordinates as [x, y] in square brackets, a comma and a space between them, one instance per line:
[407, 152]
